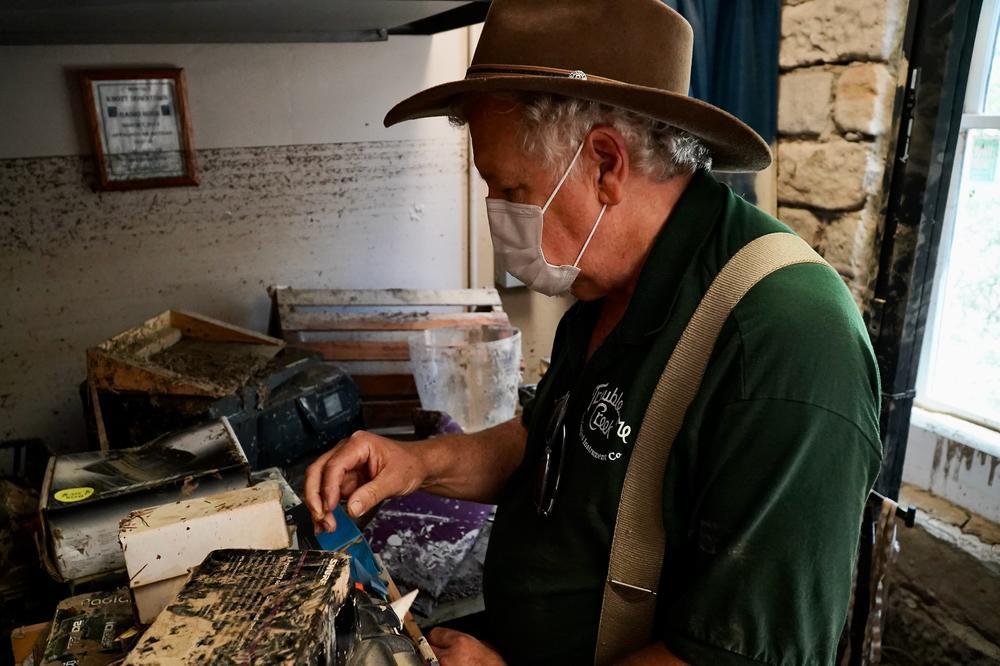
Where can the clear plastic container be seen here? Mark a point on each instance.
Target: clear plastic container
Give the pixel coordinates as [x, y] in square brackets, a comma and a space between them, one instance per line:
[472, 373]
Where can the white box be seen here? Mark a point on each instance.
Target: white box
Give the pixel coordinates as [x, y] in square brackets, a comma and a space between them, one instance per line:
[86, 495]
[163, 543]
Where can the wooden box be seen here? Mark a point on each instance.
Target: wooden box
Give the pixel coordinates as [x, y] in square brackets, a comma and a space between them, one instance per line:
[366, 331]
[180, 353]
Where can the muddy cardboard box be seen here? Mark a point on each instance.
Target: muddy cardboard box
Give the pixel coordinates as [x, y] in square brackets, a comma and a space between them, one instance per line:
[86, 628]
[28, 642]
[85, 495]
[162, 544]
[251, 607]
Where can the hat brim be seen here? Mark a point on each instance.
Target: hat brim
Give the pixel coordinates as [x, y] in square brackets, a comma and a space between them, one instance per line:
[734, 145]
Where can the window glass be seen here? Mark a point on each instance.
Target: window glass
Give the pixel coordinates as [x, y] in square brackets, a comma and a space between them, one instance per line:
[965, 370]
[992, 103]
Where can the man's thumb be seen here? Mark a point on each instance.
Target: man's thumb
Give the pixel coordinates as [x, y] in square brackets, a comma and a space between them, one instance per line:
[367, 496]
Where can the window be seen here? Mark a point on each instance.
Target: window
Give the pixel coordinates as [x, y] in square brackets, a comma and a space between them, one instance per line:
[960, 368]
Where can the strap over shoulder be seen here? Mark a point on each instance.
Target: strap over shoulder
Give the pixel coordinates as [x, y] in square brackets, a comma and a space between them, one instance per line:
[637, 548]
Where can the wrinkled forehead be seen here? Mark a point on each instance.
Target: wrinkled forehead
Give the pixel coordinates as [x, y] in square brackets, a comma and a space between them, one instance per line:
[485, 106]
[496, 130]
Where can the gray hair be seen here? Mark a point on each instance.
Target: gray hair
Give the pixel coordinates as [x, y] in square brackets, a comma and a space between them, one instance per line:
[554, 125]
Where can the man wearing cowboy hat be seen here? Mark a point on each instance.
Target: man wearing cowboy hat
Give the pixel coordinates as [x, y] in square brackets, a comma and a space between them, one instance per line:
[597, 164]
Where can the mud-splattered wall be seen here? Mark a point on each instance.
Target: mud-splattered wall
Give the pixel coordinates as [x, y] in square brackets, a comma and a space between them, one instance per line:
[78, 267]
[347, 204]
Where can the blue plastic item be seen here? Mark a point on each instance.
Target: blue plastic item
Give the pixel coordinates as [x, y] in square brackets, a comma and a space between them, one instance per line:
[347, 538]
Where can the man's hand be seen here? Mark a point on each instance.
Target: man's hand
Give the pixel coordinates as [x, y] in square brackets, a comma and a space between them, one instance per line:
[366, 469]
[655, 654]
[453, 648]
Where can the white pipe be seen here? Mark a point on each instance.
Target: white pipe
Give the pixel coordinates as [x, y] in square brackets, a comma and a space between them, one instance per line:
[472, 180]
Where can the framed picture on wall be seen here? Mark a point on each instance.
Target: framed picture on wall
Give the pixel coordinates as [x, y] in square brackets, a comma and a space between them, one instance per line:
[139, 128]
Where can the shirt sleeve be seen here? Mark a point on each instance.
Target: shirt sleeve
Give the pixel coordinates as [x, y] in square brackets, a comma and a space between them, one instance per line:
[761, 570]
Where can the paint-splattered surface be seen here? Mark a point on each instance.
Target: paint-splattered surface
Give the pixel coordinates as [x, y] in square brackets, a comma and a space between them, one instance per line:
[423, 538]
[80, 266]
[251, 607]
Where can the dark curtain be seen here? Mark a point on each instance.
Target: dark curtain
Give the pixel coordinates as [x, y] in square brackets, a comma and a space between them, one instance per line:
[735, 64]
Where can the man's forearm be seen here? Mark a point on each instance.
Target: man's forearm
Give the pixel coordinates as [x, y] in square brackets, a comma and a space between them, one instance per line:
[475, 466]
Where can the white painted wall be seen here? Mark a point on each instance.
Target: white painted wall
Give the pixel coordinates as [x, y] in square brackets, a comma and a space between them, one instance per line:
[240, 95]
[301, 185]
[956, 460]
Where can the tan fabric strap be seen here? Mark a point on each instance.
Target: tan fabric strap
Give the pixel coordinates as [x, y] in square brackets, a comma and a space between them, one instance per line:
[637, 549]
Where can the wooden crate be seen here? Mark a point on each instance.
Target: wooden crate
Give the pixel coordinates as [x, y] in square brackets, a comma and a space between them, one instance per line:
[139, 359]
[366, 332]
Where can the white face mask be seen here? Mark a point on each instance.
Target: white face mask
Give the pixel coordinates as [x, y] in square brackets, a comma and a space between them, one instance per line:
[517, 237]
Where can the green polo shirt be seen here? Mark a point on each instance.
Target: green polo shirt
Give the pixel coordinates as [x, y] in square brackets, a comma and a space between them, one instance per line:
[764, 487]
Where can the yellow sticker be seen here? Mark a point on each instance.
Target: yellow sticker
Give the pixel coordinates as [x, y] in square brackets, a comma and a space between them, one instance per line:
[73, 494]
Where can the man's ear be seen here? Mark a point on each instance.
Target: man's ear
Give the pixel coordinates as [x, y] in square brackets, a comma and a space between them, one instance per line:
[606, 148]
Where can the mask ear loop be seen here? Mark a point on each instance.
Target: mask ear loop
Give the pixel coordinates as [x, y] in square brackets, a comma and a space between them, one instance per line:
[564, 176]
[593, 231]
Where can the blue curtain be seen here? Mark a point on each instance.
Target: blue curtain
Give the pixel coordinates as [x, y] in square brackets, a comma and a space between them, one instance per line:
[735, 65]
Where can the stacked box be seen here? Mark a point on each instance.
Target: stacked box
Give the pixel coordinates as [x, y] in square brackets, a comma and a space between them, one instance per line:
[163, 543]
[86, 628]
[85, 495]
[251, 607]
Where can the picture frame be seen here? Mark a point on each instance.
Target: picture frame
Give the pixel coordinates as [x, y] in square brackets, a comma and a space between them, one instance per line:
[139, 128]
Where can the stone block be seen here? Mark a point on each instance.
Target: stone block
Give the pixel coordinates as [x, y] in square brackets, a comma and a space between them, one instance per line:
[804, 102]
[802, 222]
[931, 504]
[831, 176]
[985, 530]
[820, 31]
[849, 244]
[865, 93]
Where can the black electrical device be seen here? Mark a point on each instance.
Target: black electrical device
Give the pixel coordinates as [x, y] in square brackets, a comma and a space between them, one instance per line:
[295, 406]
[311, 411]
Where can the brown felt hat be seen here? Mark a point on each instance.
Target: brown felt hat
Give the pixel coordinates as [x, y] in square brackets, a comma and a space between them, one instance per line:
[632, 54]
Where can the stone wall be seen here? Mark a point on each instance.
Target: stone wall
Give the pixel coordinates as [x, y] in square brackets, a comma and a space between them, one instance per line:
[840, 67]
[841, 74]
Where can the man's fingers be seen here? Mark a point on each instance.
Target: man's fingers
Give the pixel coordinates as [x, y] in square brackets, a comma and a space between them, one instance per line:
[348, 456]
[352, 481]
[369, 495]
[314, 478]
[443, 638]
[325, 476]
[364, 468]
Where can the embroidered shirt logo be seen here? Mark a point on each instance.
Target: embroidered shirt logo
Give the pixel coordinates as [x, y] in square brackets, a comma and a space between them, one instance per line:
[602, 430]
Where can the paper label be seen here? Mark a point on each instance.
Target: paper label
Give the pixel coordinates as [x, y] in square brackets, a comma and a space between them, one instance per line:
[67, 495]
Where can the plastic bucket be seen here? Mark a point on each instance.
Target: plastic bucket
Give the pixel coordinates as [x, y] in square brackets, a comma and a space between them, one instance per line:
[472, 373]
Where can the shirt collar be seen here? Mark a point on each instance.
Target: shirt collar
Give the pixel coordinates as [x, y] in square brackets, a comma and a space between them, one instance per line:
[676, 246]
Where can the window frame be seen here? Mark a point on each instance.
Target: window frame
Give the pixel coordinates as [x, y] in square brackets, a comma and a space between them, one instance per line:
[973, 117]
